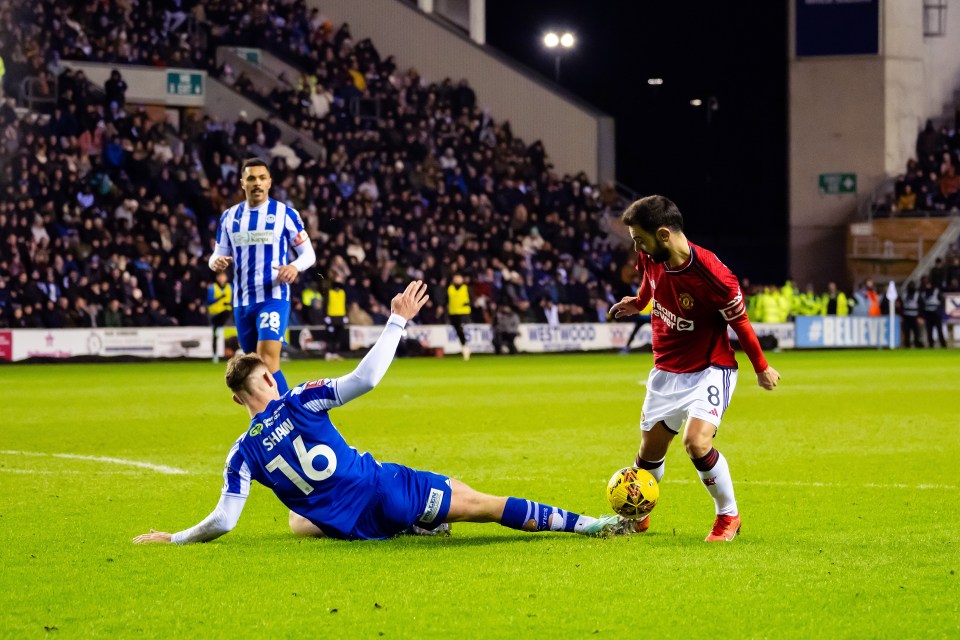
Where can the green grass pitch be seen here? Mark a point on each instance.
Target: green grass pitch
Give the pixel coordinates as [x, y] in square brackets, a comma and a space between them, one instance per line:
[846, 476]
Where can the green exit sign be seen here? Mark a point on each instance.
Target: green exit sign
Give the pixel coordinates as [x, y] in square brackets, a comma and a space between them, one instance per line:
[837, 183]
[184, 84]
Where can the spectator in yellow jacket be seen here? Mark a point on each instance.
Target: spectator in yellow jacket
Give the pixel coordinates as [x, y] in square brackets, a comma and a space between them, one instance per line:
[834, 302]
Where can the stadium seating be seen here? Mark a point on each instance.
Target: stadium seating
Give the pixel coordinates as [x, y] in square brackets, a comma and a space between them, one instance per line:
[127, 207]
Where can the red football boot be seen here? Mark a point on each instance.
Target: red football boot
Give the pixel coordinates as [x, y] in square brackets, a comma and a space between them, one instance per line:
[641, 526]
[725, 529]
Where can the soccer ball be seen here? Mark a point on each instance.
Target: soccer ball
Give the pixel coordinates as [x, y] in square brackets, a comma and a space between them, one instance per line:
[633, 492]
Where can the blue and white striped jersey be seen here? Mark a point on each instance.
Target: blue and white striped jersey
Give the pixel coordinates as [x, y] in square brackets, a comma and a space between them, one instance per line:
[258, 240]
[292, 448]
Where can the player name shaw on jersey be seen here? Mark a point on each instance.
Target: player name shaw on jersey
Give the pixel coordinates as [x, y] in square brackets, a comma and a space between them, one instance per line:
[279, 433]
[293, 448]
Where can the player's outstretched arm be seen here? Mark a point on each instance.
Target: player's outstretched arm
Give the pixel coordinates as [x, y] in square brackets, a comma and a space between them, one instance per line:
[220, 521]
[374, 365]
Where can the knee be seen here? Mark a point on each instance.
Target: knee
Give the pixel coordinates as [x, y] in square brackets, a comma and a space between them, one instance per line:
[300, 526]
[697, 445]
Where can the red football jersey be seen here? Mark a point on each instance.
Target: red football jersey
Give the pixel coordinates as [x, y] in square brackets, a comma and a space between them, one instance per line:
[692, 305]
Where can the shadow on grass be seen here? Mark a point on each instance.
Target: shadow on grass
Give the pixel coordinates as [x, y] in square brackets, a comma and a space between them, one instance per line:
[456, 540]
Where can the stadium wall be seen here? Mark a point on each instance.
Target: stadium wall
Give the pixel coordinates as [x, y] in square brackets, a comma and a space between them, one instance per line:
[577, 137]
[150, 85]
[813, 332]
[836, 126]
[941, 66]
[859, 114]
[831, 332]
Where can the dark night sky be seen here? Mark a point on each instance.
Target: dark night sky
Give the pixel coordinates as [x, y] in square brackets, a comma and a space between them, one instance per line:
[728, 175]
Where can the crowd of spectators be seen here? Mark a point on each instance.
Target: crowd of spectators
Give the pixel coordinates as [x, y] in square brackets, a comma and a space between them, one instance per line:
[106, 215]
[931, 183]
[920, 305]
[97, 227]
[771, 303]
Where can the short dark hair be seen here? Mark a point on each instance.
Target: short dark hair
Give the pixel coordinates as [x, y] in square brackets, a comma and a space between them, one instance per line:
[239, 369]
[254, 162]
[653, 212]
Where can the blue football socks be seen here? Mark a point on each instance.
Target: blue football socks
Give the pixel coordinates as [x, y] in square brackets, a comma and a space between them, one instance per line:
[519, 513]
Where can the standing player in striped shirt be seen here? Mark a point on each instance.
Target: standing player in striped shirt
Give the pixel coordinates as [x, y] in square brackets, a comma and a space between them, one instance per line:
[257, 235]
[695, 297]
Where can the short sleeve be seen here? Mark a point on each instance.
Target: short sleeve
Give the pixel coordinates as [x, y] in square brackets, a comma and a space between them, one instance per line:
[236, 473]
[721, 286]
[294, 228]
[223, 236]
[316, 396]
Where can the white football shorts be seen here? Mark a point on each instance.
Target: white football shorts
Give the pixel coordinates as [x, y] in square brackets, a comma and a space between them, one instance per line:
[674, 397]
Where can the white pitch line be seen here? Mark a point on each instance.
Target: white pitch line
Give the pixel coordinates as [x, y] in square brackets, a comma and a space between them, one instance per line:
[833, 485]
[159, 468]
[69, 472]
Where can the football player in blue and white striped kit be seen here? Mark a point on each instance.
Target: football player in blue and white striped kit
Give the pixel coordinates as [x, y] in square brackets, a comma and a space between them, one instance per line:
[331, 489]
[257, 235]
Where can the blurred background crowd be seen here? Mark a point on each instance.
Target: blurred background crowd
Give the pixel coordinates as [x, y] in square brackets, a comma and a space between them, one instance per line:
[107, 216]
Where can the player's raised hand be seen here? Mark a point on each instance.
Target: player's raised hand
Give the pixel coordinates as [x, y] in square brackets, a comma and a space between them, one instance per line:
[286, 273]
[624, 308]
[768, 378]
[408, 303]
[221, 263]
[153, 536]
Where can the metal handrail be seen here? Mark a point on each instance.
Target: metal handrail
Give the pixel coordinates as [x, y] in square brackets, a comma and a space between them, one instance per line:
[868, 204]
[30, 99]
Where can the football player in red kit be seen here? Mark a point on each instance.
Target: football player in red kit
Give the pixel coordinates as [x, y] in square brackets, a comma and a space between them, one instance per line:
[695, 297]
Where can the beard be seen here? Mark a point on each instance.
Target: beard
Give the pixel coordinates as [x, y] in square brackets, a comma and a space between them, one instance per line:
[660, 254]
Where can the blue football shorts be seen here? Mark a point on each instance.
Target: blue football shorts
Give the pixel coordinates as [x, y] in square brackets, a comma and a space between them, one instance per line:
[404, 497]
[261, 321]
